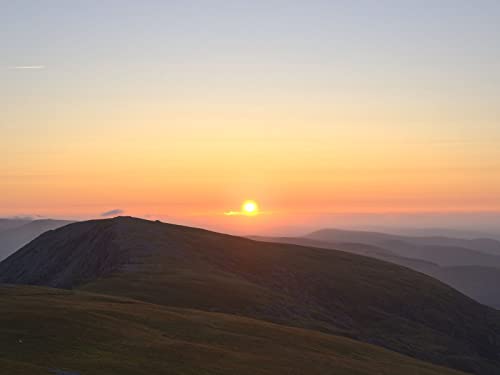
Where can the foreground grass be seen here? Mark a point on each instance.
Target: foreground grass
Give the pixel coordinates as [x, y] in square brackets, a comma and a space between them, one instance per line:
[43, 330]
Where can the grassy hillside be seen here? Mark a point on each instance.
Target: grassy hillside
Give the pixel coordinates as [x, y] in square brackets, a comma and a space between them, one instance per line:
[46, 330]
[324, 290]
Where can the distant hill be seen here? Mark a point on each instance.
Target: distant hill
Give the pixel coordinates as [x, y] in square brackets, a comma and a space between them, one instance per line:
[43, 331]
[352, 247]
[17, 233]
[442, 250]
[10, 223]
[356, 248]
[440, 232]
[323, 290]
[481, 283]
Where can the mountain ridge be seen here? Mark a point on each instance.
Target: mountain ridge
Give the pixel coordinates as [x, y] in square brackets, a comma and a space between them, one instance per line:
[487, 246]
[318, 289]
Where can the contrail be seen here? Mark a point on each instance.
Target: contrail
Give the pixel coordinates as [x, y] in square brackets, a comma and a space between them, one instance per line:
[27, 67]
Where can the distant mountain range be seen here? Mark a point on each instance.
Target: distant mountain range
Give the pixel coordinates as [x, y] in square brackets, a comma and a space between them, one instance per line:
[9, 223]
[322, 291]
[437, 232]
[15, 233]
[406, 245]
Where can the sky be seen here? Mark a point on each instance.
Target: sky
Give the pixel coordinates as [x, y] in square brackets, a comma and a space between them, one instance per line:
[182, 110]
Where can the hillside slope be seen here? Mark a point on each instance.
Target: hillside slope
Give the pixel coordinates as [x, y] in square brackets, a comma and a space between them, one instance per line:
[478, 282]
[102, 335]
[325, 290]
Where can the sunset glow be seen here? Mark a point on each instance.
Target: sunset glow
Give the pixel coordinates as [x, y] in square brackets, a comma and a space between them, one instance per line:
[168, 122]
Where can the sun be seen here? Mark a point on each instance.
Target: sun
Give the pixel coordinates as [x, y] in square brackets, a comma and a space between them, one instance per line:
[250, 208]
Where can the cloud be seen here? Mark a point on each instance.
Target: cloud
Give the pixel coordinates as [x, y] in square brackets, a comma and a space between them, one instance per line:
[23, 217]
[115, 212]
[233, 213]
[242, 213]
[27, 67]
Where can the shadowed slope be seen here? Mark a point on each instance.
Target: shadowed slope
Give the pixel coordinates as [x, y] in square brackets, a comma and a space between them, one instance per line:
[102, 335]
[478, 282]
[326, 290]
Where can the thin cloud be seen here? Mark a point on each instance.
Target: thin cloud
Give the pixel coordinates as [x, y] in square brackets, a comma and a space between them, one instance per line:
[242, 213]
[233, 213]
[26, 67]
[115, 212]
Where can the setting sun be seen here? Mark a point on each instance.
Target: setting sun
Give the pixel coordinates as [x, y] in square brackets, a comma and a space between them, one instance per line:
[250, 208]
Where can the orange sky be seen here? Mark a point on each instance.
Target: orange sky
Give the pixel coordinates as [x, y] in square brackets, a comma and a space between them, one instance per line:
[307, 113]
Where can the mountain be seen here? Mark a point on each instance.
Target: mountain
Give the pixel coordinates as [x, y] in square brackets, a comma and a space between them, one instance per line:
[356, 248]
[351, 247]
[481, 283]
[439, 232]
[46, 330]
[18, 233]
[10, 223]
[442, 250]
[316, 289]
[478, 282]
